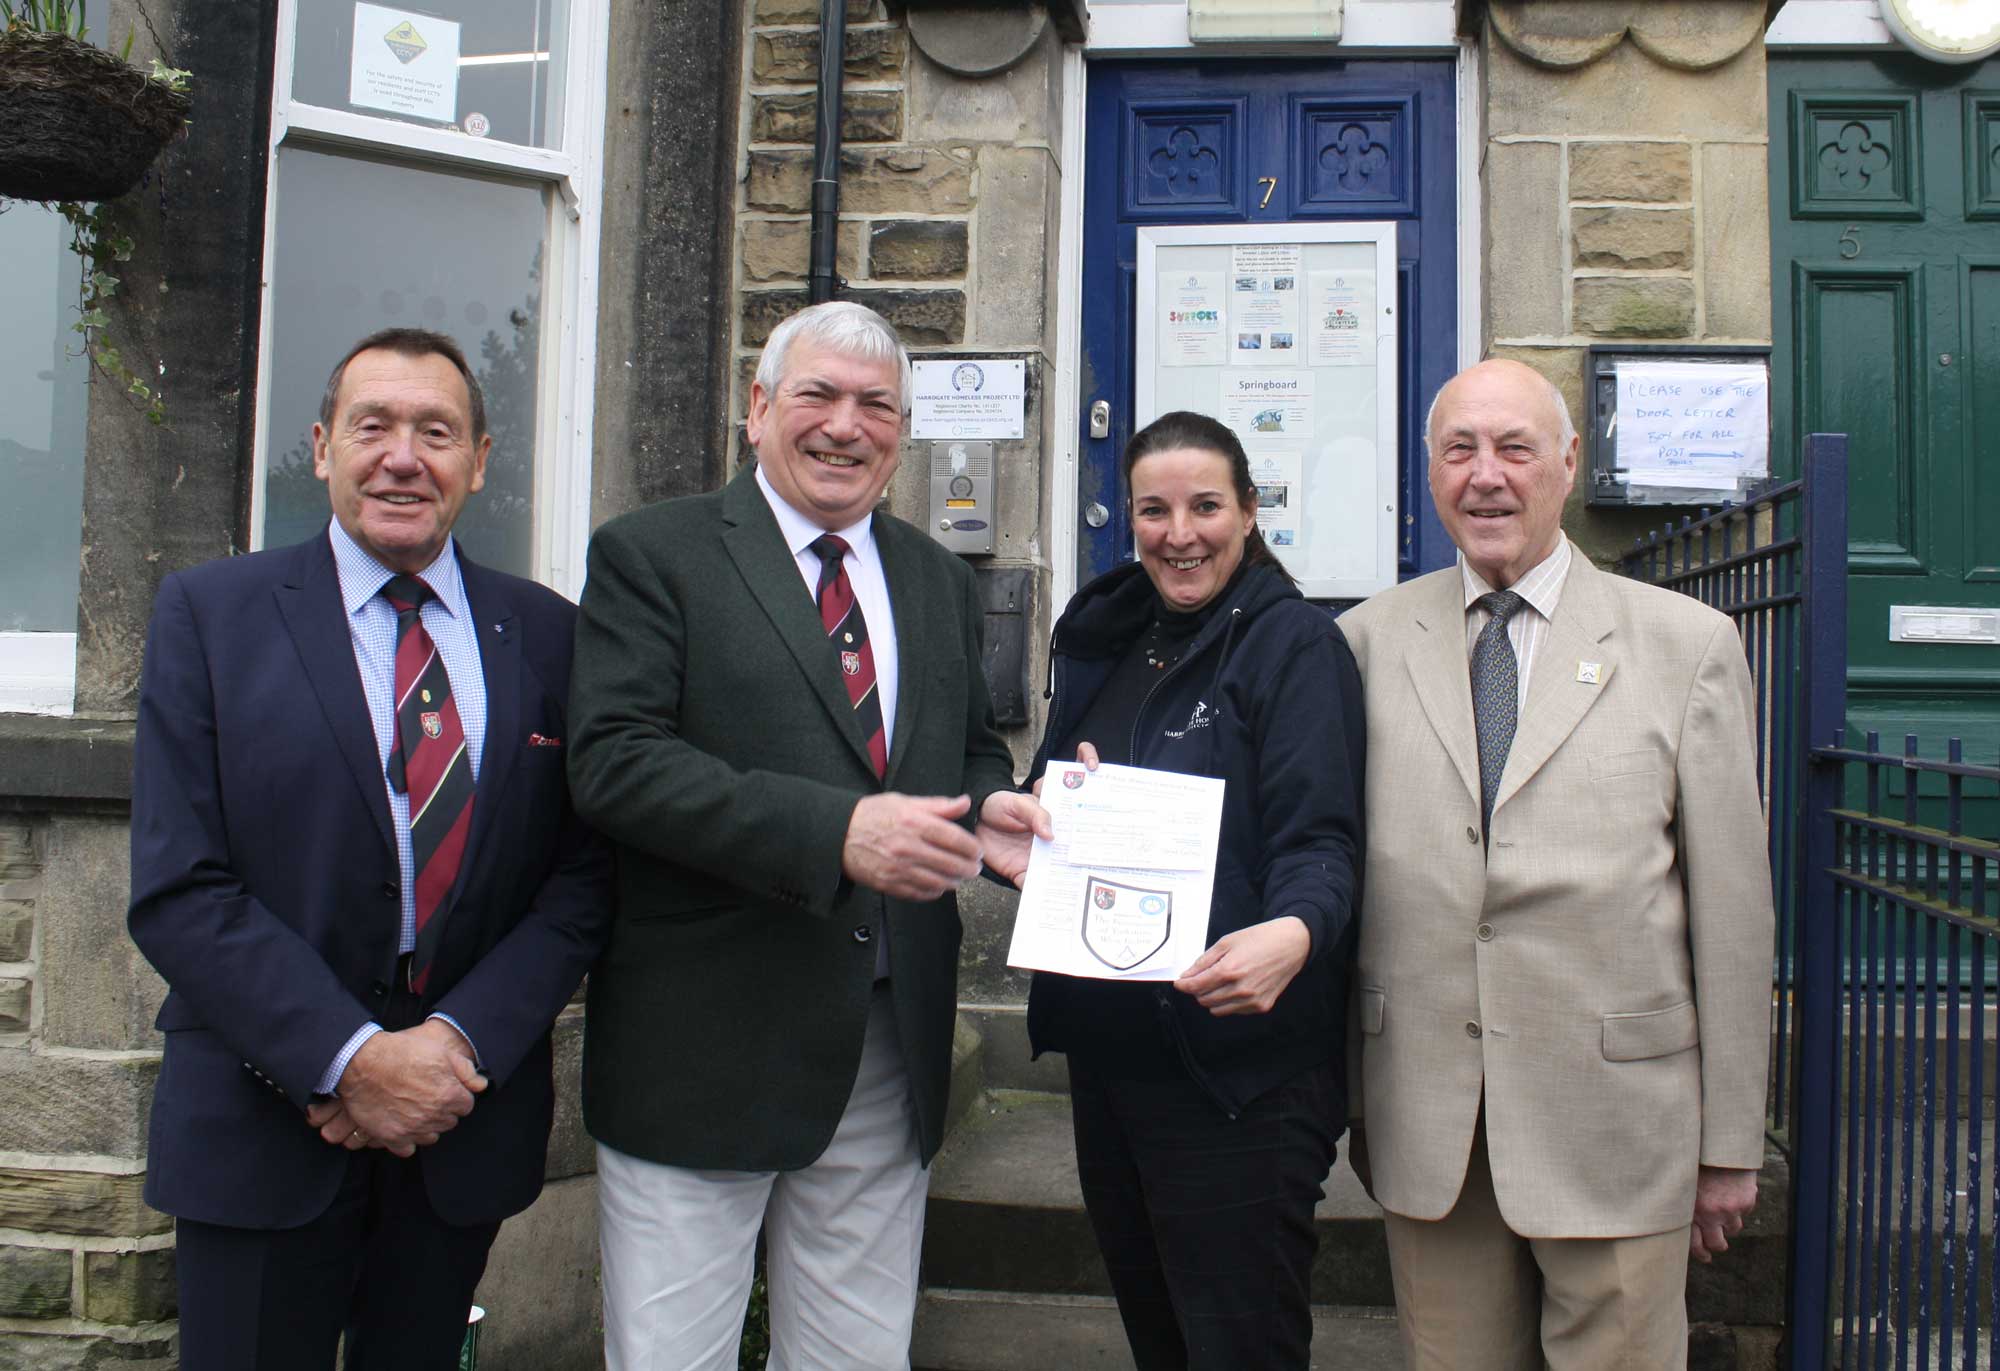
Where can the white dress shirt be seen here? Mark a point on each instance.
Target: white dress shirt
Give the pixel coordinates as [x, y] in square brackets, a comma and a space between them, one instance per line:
[1541, 588]
[864, 573]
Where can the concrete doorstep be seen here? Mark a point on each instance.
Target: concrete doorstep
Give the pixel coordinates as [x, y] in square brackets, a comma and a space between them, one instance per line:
[1013, 1281]
[986, 1330]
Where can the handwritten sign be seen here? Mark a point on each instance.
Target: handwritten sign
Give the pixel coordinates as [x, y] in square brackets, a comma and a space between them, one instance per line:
[1703, 426]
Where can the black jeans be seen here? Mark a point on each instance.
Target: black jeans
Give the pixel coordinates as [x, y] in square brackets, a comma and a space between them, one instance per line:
[1206, 1222]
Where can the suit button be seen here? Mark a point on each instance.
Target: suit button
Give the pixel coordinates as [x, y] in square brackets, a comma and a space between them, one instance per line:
[1471, 834]
[1472, 1028]
[862, 933]
[390, 890]
[378, 990]
[1485, 932]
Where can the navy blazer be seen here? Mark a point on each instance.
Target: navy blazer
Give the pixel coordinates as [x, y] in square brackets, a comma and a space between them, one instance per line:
[265, 887]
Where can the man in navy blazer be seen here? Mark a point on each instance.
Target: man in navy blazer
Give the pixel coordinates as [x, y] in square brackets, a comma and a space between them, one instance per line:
[356, 1086]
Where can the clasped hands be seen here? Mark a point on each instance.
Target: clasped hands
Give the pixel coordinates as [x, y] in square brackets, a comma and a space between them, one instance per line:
[401, 1091]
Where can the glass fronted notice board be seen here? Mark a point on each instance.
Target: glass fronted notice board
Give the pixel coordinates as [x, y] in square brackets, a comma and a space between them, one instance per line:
[1673, 424]
[1286, 333]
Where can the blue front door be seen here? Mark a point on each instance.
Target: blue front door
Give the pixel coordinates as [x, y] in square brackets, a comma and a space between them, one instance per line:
[1266, 142]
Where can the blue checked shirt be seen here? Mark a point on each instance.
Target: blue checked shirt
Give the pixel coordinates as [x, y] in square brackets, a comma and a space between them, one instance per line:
[371, 625]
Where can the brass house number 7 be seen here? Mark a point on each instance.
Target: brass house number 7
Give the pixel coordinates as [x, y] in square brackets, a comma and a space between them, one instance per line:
[1269, 183]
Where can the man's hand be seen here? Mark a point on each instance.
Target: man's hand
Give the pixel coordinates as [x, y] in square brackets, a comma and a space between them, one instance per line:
[1009, 823]
[403, 1090]
[908, 847]
[1246, 971]
[1722, 1197]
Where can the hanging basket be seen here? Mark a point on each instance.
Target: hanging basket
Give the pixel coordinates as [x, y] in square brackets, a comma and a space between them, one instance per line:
[75, 122]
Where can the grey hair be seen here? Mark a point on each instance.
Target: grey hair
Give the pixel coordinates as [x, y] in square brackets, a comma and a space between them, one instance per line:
[840, 326]
[1565, 426]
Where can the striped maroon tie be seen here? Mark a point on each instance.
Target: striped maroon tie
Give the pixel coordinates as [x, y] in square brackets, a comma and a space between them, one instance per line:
[841, 614]
[429, 763]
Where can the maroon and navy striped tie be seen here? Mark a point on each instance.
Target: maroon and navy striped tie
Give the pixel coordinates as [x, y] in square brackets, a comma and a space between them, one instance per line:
[430, 764]
[840, 612]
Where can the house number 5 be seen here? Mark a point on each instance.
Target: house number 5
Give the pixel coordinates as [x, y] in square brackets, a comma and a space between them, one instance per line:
[1269, 183]
[1850, 242]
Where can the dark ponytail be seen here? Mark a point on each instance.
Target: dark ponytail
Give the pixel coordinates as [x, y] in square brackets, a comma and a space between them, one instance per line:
[1183, 428]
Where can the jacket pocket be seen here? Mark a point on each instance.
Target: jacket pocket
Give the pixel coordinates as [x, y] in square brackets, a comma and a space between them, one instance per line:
[1655, 1033]
[1372, 1003]
[1605, 766]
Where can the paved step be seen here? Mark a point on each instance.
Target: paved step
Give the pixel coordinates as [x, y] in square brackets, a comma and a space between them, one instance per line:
[985, 1330]
[1006, 1212]
[1006, 1215]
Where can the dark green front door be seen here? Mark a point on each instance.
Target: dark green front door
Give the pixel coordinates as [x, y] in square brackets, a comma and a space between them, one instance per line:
[1885, 214]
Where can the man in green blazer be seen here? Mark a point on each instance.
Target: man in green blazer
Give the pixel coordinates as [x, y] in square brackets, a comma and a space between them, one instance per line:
[780, 720]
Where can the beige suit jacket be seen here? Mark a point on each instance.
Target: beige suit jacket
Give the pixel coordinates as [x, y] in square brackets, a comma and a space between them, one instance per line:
[1604, 974]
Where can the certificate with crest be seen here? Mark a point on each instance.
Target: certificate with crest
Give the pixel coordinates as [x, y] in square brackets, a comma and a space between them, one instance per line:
[1123, 891]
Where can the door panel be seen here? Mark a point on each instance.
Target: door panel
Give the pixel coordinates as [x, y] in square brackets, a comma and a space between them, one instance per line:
[1262, 142]
[1982, 415]
[1868, 395]
[1885, 190]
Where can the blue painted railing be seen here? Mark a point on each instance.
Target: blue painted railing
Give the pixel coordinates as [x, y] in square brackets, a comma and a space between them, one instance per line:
[1914, 911]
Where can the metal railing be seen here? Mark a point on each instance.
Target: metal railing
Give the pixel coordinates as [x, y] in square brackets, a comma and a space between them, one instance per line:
[1914, 911]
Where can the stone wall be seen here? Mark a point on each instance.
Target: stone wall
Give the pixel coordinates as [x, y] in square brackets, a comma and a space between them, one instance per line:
[949, 192]
[86, 1269]
[1625, 190]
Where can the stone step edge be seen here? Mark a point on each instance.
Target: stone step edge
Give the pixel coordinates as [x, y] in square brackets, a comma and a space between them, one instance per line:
[945, 1295]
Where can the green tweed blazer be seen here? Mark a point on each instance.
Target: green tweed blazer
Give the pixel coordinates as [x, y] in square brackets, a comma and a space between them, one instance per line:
[713, 742]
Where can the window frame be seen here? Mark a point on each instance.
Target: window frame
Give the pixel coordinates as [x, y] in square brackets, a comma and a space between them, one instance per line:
[571, 176]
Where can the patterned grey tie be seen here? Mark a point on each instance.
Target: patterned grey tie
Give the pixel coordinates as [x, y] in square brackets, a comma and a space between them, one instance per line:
[1496, 681]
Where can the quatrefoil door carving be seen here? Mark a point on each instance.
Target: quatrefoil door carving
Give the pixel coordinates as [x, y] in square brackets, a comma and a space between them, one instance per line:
[1853, 159]
[1354, 158]
[1187, 166]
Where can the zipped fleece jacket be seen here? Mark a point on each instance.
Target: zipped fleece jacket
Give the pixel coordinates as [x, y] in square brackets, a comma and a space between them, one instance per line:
[1266, 697]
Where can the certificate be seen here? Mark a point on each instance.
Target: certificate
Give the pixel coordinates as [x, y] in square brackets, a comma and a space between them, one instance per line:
[1123, 891]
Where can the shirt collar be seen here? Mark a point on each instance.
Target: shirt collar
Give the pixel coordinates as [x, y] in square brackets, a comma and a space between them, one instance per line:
[1541, 585]
[362, 576]
[801, 532]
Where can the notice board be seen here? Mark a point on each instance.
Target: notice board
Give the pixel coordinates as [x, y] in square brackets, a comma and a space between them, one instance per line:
[1286, 333]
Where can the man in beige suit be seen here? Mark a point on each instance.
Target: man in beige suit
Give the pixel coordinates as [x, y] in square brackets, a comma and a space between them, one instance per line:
[1564, 978]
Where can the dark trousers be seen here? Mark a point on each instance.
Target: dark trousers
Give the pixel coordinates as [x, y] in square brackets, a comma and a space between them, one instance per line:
[1206, 1222]
[378, 1266]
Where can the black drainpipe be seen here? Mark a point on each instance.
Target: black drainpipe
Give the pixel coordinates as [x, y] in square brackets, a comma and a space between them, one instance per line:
[820, 278]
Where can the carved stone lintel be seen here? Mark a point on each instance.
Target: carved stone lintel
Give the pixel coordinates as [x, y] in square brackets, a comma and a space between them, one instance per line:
[1567, 34]
[971, 38]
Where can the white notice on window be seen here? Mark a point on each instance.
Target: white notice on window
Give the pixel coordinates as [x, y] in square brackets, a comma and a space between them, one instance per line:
[1191, 319]
[1340, 311]
[1268, 406]
[1693, 425]
[1264, 304]
[404, 63]
[1123, 891]
[1276, 474]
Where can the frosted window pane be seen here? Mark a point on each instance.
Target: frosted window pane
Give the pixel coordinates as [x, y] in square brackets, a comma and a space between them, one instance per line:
[366, 245]
[509, 67]
[43, 380]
